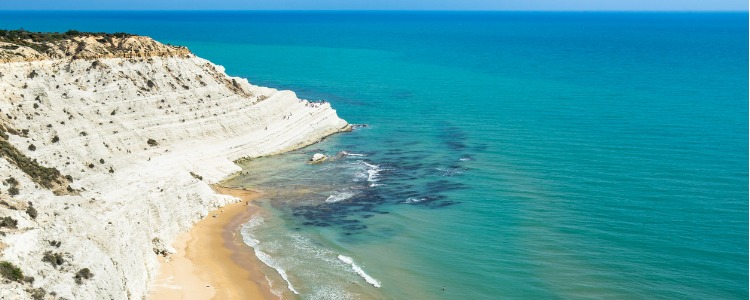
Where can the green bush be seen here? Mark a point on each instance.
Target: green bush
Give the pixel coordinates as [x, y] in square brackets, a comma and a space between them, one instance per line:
[13, 191]
[10, 271]
[152, 142]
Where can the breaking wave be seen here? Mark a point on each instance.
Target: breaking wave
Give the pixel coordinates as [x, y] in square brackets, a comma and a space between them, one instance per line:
[349, 261]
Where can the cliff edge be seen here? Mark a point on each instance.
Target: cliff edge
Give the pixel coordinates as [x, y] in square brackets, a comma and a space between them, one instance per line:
[21, 45]
[108, 144]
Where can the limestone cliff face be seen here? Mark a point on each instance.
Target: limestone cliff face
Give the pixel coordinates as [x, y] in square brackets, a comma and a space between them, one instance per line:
[125, 123]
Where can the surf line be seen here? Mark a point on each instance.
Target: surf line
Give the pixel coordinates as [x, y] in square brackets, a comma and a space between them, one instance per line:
[349, 261]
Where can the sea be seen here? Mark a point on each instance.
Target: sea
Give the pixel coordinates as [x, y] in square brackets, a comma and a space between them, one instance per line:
[501, 155]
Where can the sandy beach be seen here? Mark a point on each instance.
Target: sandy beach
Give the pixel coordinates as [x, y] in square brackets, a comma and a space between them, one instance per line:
[211, 261]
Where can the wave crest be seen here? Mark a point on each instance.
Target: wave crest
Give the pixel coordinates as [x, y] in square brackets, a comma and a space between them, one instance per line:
[350, 261]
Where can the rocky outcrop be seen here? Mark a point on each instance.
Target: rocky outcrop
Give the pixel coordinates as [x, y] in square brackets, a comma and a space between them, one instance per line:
[138, 133]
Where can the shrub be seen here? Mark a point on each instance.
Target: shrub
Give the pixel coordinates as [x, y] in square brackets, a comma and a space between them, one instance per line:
[91, 166]
[10, 271]
[54, 259]
[101, 161]
[37, 294]
[8, 222]
[152, 142]
[84, 273]
[55, 139]
[32, 147]
[13, 191]
[32, 212]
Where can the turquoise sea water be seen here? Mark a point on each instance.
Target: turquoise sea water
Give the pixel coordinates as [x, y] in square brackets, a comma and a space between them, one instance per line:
[508, 155]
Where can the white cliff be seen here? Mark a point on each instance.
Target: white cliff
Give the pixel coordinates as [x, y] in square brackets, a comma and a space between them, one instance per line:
[140, 137]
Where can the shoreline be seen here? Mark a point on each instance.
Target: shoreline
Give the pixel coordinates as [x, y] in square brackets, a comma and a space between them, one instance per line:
[212, 261]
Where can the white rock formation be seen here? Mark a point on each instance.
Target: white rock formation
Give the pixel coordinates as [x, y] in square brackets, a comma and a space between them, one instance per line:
[318, 158]
[133, 197]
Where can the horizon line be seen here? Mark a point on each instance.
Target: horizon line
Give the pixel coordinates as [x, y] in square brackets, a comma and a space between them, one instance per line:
[375, 10]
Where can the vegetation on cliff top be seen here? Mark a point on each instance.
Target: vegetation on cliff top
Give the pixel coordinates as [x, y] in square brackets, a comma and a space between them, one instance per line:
[38, 40]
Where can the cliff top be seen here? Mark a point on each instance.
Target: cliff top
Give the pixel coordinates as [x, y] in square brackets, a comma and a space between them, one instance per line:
[22, 45]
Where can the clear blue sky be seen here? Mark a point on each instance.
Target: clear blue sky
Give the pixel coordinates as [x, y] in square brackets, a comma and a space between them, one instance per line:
[575, 5]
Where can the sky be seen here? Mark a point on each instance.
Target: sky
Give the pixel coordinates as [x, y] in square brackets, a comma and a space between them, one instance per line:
[545, 5]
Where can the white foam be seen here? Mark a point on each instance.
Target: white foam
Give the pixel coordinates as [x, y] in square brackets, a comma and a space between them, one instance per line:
[269, 261]
[350, 261]
[352, 154]
[464, 159]
[373, 172]
[255, 221]
[414, 200]
[339, 196]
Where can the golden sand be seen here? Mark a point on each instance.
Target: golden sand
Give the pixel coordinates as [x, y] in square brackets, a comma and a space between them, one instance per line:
[211, 261]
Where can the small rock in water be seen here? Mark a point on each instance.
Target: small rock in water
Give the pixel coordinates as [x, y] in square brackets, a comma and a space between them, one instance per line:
[318, 158]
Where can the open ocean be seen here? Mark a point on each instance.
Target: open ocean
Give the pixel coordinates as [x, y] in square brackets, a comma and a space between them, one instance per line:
[507, 155]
